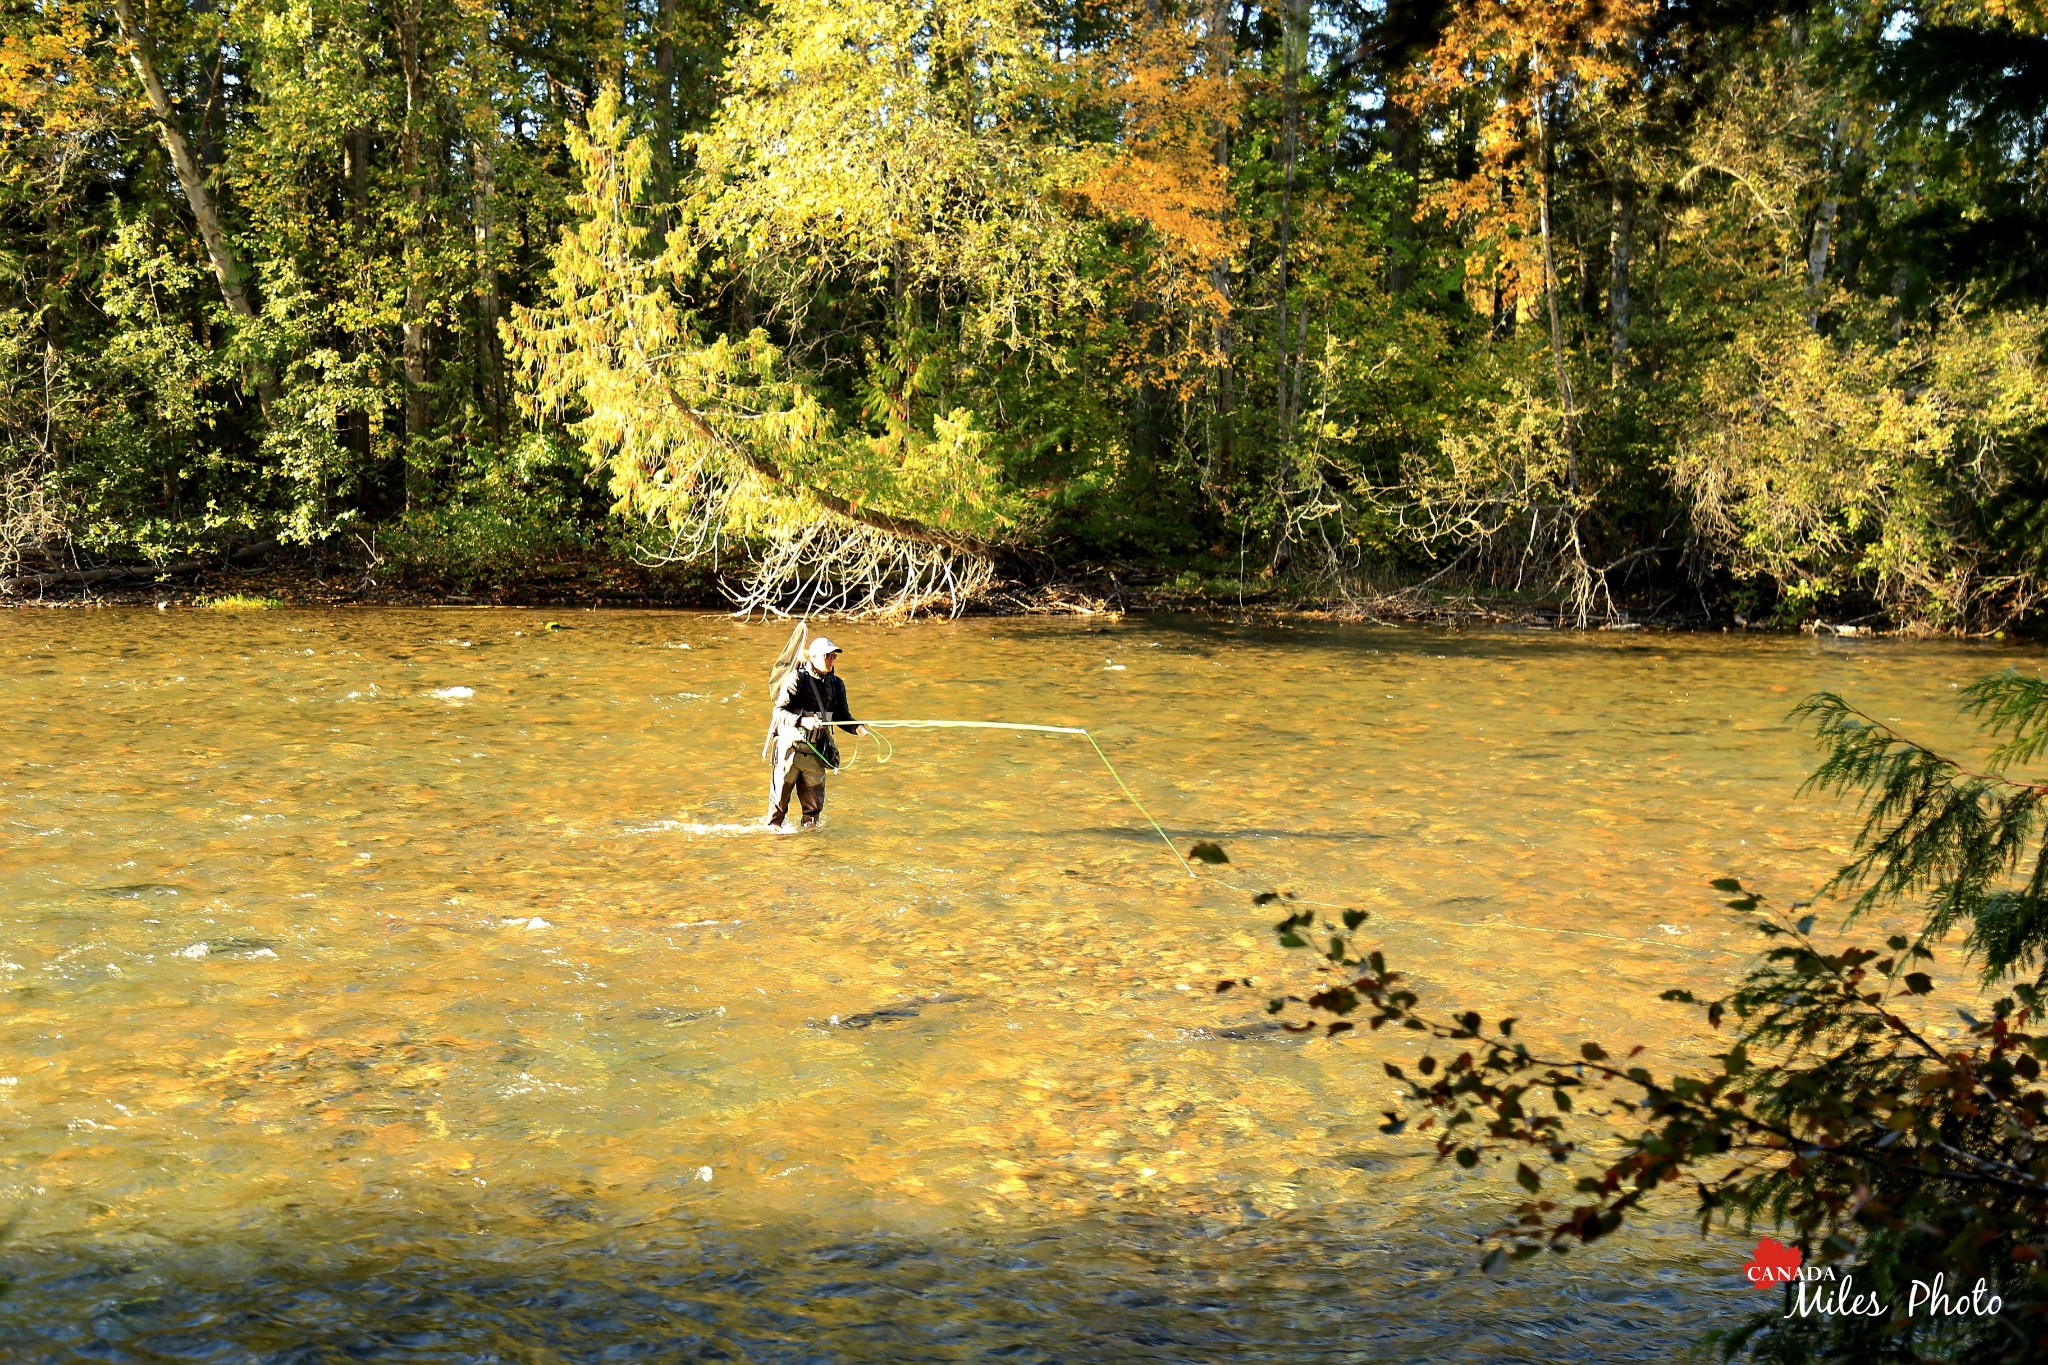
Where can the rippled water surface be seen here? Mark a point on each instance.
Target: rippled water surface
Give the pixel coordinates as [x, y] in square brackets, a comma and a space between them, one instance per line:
[415, 985]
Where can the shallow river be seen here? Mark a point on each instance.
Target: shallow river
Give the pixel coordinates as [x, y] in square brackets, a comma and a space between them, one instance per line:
[417, 986]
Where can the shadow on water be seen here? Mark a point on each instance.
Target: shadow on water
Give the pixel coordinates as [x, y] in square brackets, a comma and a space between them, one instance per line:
[562, 1284]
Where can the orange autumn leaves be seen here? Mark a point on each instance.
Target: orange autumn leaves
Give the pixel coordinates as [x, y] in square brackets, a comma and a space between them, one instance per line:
[58, 91]
[1512, 63]
[1170, 85]
[1523, 63]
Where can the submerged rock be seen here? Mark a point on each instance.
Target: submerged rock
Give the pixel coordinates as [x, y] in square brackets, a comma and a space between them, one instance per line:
[675, 1018]
[228, 947]
[242, 945]
[887, 1014]
[1244, 1033]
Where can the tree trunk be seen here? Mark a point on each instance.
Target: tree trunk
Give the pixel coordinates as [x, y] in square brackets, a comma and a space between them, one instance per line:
[1620, 226]
[1590, 270]
[356, 152]
[413, 327]
[1817, 246]
[665, 94]
[1824, 221]
[356, 426]
[1294, 43]
[489, 361]
[220, 253]
[212, 132]
[1404, 149]
[1218, 52]
[1547, 176]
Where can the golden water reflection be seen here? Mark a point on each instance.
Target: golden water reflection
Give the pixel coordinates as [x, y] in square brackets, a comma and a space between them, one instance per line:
[417, 983]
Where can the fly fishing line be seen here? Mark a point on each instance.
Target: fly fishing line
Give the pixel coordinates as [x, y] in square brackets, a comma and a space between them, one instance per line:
[1116, 776]
[884, 752]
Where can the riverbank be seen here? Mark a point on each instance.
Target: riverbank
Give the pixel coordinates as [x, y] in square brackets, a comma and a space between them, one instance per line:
[265, 576]
[599, 586]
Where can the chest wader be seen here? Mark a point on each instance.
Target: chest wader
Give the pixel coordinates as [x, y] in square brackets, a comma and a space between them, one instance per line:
[803, 760]
[798, 771]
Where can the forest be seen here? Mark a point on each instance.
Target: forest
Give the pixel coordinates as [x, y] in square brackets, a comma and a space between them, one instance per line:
[1727, 312]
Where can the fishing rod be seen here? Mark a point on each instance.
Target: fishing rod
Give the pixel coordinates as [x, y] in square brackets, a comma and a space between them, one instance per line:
[968, 725]
[1042, 729]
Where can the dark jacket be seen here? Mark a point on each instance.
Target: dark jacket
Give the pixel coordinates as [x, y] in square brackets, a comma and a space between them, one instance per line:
[816, 694]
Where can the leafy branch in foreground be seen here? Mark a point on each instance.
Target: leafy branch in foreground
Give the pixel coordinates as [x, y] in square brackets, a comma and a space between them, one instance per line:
[1834, 1113]
[1843, 1050]
[1837, 1112]
[1936, 829]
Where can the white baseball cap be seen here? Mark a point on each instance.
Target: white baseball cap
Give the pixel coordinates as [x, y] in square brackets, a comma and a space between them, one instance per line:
[819, 648]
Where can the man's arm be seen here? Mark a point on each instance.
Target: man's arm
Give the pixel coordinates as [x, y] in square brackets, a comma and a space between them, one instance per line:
[843, 713]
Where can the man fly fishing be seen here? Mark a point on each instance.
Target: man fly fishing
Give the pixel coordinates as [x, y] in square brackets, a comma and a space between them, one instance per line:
[810, 705]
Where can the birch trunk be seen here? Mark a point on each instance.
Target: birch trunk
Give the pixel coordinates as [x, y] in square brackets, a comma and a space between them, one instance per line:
[219, 252]
[1824, 221]
[1817, 248]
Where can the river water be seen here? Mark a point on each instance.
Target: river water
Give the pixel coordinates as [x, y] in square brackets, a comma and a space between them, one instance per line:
[416, 985]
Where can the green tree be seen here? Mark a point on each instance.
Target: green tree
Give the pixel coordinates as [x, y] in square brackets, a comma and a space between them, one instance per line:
[1602, 306]
[719, 438]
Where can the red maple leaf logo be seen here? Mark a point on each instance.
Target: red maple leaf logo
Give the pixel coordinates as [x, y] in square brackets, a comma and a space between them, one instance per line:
[1773, 1263]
